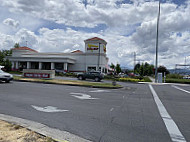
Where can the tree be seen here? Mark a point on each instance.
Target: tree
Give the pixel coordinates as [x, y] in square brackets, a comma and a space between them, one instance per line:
[163, 69]
[142, 70]
[151, 69]
[7, 65]
[5, 62]
[146, 68]
[2, 56]
[118, 68]
[16, 45]
[137, 67]
[112, 66]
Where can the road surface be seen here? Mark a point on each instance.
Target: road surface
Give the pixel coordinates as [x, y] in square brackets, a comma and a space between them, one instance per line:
[130, 114]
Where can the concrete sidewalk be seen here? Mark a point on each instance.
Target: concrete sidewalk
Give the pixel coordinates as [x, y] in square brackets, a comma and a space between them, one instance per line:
[152, 79]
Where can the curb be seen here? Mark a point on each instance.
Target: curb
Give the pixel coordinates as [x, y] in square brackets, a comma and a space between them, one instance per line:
[57, 135]
[68, 84]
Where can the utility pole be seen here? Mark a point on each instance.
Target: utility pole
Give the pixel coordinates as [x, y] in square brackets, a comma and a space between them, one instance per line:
[26, 43]
[158, 19]
[134, 61]
[99, 57]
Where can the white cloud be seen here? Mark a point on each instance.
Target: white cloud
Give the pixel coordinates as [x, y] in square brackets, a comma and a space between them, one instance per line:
[129, 28]
[11, 22]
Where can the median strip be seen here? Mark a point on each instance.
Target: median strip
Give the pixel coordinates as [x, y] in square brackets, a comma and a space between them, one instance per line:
[69, 82]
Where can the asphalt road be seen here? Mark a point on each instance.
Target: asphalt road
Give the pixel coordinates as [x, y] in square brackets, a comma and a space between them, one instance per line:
[101, 115]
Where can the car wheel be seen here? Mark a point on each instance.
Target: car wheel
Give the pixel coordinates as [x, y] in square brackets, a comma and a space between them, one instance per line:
[97, 79]
[80, 78]
[7, 81]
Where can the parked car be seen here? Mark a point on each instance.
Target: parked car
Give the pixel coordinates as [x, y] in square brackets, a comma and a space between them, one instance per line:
[60, 71]
[97, 76]
[5, 76]
[186, 77]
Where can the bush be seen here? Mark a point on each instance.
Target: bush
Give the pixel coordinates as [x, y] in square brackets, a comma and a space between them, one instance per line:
[68, 74]
[108, 77]
[147, 79]
[176, 76]
[173, 80]
[128, 80]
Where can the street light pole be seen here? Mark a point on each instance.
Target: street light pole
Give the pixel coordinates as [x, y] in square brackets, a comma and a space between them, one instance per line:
[156, 71]
[134, 61]
[98, 57]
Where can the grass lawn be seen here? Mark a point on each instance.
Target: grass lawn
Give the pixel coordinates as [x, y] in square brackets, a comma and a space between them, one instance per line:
[174, 80]
[69, 82]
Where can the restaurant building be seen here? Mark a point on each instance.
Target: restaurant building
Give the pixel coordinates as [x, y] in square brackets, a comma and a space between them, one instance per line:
[93, 58]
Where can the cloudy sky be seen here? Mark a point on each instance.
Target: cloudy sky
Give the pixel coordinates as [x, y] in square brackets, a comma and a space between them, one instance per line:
[127, 25]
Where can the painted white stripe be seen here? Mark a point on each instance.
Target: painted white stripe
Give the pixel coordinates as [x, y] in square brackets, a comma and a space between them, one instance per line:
[180, 89]
[111, 109]
[173, 130]
[99, 91]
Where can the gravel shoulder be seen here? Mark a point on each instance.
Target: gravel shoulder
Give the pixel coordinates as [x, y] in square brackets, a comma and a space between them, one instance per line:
[14, 133]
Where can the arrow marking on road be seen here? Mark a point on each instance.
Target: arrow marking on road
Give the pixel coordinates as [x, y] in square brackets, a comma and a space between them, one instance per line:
[99, 91]
[48, 109]
[83, 96]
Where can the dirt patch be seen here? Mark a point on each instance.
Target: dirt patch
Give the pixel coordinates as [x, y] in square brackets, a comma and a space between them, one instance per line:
[15, 133]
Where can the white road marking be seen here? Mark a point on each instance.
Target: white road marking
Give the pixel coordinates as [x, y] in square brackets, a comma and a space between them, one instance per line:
[173, 130]
[180, 89]
[111, 109]
[99, 91]
[48, 109]
[83, 96]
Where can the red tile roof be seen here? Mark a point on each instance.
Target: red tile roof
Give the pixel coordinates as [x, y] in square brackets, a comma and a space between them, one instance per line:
[94, 38]
[77, 51]
[25, 48]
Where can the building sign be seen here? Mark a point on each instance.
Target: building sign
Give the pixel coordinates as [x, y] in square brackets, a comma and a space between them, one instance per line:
[92, 47]
[37, 75]
[104, 48]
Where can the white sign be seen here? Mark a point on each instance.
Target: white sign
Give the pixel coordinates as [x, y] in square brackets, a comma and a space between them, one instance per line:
[82, 96]
[48, 109]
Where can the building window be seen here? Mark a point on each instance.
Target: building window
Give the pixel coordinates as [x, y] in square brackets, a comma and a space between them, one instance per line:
[34, 65]
[99, 69]
[59, 66]
[91, 68]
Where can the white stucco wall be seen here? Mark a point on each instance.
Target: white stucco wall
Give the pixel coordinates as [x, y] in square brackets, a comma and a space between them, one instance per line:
[77, 61]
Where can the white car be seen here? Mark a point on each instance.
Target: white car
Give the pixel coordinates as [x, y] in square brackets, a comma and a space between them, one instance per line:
[5, 76]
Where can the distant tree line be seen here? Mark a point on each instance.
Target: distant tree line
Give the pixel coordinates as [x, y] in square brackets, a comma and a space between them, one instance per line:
[116, 68]
[148, 69]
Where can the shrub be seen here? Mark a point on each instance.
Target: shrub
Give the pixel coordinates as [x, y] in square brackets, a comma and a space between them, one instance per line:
[147, 79]
[176, 76]
[128, 80]
[68, 74]
[108, 77]
[173, 80]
